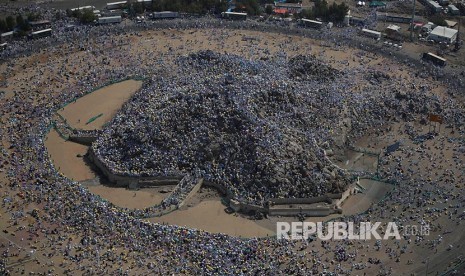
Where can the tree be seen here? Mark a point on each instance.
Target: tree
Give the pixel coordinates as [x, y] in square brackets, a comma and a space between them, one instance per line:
[76, 13]
[269, 9]
[19, 20]
[69, 13]
[3, 27]
[438, 20]
[320, 9]
[336, 12]
[58, 15]
[221, 6]
[138, 8]
[87, 16]
[157, 6]
[251, 7]
[10, 23]
[33, 17]
[22, 25]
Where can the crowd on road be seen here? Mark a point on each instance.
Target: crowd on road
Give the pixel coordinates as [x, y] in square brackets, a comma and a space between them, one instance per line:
[264, 116]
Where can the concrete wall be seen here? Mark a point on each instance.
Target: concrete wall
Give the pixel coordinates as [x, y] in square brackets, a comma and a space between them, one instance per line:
[277, 210]
[313, 212]
[130, 181]
[219, 187]
[310, 200]
[84, 140]
[192, 192]
[350, 191]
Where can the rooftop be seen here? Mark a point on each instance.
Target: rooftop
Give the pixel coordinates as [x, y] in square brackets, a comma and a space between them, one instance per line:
[444, 32]
[393, 28]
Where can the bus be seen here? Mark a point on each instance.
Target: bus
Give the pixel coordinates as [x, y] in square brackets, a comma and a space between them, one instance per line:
[370, 33]
[110, 20]
[164, 15]
[84, 8]
[117, 5]
[311, 23]
[41, 33]
[437, 60]
[234, 15]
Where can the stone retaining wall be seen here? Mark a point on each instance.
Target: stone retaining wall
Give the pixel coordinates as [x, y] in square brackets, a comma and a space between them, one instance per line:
[333, 199]
[312, 212]
[84, 140]
[130, 181]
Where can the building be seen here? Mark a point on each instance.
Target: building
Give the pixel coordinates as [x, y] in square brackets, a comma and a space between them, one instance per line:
[377, 4]
[350, 20]
[392, 17]
[443, 34]
[453, 10]
[443, 2]
[433, 6]
[393, 32]
[291, 8]
[280, 11]
[427, 28]
[450, 23]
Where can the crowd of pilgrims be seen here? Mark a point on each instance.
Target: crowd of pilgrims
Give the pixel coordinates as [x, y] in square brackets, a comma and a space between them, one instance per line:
[249, 124]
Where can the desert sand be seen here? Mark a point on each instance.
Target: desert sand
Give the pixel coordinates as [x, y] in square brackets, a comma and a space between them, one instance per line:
[106, 101]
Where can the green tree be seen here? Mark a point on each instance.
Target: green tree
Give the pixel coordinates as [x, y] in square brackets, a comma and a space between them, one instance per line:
[269, 9]
[69, 13]
[34, 16]
[306, 13]
[173, 5]
[221, 6]
[58, 15]
[22, 25]
[3, 27]
[87, 16]
[336, 12]
[76, 13]
[251, 7]
[138, 8]
[10, 23]
[19, 20]
[438, 20]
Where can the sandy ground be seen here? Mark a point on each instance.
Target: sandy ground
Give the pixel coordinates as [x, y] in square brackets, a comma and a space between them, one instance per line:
[107, 101]
[358, 203]
[127, 198]
[210, 216]
[64, 156]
